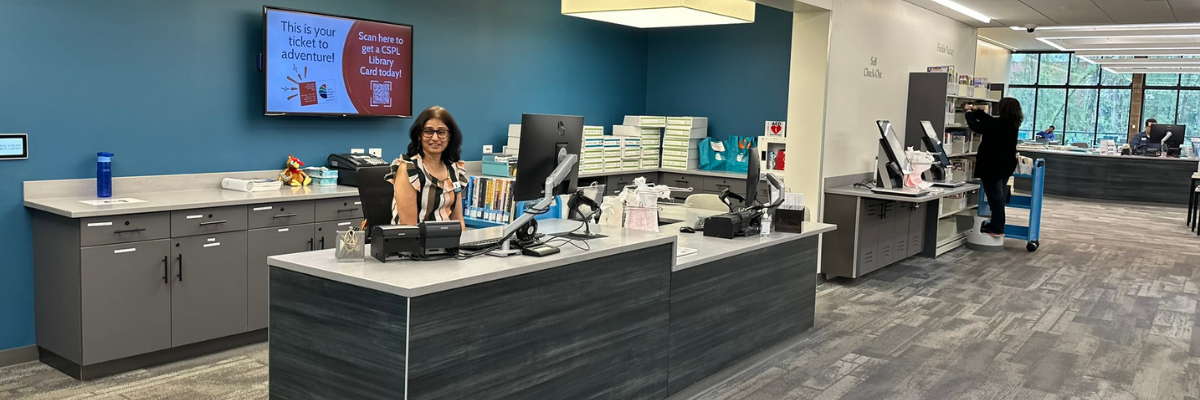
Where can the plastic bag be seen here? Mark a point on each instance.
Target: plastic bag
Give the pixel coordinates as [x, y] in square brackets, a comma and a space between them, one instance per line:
[712, 154]
[737, 150]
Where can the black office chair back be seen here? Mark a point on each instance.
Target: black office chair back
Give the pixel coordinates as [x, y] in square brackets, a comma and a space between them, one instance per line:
[376, 195]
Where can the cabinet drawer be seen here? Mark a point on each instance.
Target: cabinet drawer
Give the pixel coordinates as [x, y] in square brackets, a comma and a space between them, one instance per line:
[326, 231]
[338, 209]
[281, 214]
[206, 221]
[674, 179]
[124, 228]
[717, 185]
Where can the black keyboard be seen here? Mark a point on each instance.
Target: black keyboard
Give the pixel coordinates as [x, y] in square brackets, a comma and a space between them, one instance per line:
[487, 243]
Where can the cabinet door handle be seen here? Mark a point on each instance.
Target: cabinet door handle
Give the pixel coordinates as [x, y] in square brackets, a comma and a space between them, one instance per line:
[310, 245]
[180, 258]
[213, 222]
[322, 243]
[130, 230]
[166, 270]
[351, 209]
[284, 215]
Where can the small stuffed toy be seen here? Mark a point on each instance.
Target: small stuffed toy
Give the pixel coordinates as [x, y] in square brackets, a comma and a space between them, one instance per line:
[293, 175]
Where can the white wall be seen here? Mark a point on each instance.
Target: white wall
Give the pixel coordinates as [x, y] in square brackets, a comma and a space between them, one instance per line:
[992, 62]
[806, 105]
[903, 38]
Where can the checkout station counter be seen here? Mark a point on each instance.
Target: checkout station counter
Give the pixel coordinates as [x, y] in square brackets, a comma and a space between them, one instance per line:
[1089, 175]
[171, 272]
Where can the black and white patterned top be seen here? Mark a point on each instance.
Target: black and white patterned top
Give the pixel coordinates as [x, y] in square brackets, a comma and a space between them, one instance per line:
[435, 199]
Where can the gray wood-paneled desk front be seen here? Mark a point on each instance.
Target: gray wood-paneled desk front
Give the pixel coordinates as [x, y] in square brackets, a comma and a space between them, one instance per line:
[1108, 177]
[623, 320]
[877, 230]
[182, 273]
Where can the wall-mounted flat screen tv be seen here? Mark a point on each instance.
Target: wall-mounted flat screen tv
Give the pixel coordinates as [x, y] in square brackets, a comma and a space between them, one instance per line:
[328, 65]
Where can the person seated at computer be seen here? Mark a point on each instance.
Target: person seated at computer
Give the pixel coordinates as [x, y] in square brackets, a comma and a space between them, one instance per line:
[436, 174]
[997, 158]
[1047, 134]
[1141, 140]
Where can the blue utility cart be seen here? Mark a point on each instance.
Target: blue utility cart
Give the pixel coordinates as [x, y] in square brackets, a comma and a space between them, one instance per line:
[1033, 202]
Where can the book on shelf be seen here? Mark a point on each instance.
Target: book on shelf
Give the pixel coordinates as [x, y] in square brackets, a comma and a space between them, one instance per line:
[489, 198]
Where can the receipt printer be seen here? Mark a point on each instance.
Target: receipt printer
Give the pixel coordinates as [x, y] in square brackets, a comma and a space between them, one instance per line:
[439, 237]
[730, 225]
[395, 240]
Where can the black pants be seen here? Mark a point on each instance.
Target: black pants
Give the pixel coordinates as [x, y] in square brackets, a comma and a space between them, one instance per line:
[994, 190]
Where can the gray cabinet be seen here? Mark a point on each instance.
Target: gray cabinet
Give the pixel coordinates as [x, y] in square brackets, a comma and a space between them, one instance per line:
[126, 300]
[327, 230]
[715, 185]
[916, 228]
[282, 214]
[877, 233]
[897, 218]
[207, 221]
[871, 212]
[263, 243]
[124, 228]
[338, 209]
[208, 296]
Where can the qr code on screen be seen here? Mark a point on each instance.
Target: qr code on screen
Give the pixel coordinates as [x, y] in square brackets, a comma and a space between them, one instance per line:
[381, 94]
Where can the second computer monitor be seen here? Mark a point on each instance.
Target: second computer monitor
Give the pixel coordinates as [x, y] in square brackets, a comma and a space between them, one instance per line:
[1158, 133]
[542, 138]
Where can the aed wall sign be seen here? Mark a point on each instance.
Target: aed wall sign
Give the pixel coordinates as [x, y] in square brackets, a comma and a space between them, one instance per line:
[873, 71]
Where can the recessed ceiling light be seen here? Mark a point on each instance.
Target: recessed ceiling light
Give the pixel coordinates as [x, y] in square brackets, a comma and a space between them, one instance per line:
[662, 13]
[964, 10]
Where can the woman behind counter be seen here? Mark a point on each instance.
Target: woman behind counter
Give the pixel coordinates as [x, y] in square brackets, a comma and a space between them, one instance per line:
[435, 171]
[997, 156]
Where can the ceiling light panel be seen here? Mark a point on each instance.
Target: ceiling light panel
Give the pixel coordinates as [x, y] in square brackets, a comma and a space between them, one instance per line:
[662, 13]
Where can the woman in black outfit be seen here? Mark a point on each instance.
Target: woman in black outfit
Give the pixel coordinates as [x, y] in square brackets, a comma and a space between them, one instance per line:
[997, 156]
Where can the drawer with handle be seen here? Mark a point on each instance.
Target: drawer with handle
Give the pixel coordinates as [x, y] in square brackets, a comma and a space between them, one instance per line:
[717, 185]
[205, 221]
[124, 228]
[339, 209]
[282, 214]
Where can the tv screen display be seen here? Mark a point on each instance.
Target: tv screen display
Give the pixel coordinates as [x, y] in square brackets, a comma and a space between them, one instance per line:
[319, 64]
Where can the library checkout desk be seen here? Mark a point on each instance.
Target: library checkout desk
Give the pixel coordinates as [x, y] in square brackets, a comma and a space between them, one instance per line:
[1111, 177]
[877, 230]
[183, 271]
[626, 319]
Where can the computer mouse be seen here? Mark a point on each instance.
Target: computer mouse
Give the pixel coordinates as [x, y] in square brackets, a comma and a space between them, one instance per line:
[687, 229]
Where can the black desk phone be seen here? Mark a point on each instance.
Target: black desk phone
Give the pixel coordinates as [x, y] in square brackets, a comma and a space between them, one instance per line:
[347, 164]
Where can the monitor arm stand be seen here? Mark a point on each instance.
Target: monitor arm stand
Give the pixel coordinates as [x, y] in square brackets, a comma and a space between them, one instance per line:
[565, 163]
[726, 194]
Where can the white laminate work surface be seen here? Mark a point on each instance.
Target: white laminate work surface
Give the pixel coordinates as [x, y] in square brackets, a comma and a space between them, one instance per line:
[867, 193]
[71, 207]
[1083, 154]
[709, 249]
[1196, 175]
[417, 278]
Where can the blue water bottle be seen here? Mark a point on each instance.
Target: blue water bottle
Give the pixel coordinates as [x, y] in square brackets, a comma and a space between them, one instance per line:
[104, 174]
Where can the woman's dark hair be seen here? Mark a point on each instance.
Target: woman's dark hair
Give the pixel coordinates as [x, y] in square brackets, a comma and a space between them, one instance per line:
[453, 151]
[1010, 109]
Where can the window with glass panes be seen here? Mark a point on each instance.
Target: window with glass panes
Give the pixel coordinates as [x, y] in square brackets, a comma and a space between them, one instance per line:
[1174, 99]
[1081, 100]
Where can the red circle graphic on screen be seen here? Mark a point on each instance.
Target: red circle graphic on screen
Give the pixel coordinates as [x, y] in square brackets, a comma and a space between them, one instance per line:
[377, 68]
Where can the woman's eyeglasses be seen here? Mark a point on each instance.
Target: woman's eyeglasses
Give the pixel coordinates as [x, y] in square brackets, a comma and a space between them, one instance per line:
[441, 133]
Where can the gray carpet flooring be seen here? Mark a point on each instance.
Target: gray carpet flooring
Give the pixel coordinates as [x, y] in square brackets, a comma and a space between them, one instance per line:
[1106, 309]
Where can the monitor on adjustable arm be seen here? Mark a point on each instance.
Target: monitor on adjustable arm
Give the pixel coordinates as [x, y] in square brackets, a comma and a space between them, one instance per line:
[892, 167]
[934, 145]
[1170, 137]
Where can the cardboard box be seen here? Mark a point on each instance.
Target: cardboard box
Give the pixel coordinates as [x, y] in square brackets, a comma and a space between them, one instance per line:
[645, 121]
[687, 123]
[627, 131]
[689, 133]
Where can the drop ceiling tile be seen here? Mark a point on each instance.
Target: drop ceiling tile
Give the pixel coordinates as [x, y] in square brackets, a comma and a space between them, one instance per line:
[1071, 12]
[1186, 10]
[1138, 11]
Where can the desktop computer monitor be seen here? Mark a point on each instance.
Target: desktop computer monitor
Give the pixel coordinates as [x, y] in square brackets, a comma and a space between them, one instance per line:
[542, 137]
[934, 144]
[752, 175]
[1159, 132]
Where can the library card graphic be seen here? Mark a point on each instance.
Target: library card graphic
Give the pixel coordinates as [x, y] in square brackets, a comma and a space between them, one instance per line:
[310, 92]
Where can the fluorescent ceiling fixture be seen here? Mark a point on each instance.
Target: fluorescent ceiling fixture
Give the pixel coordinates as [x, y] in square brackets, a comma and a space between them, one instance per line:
[996, 43]
[1099, 53]
[964, 10]
[1119, 70]
[1129, 27]
[662, 13]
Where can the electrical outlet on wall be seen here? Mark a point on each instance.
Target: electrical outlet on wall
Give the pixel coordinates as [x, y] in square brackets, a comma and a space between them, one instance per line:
[357, 151]
[487, 149]
[377, 152]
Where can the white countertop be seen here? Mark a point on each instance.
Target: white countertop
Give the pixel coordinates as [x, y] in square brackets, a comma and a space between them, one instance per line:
[71, 207]
[867, 193]
[417, 278]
